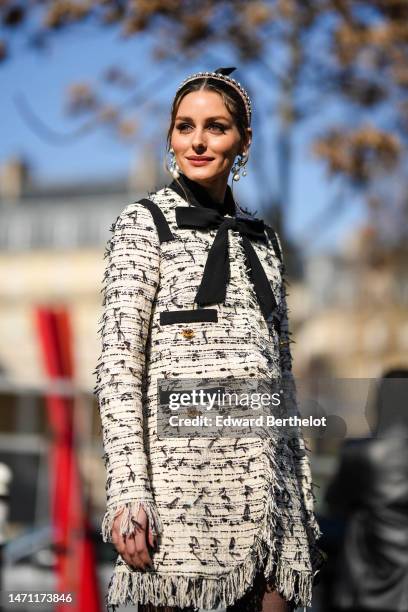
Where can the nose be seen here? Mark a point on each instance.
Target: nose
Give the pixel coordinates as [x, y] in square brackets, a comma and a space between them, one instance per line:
[198, 141]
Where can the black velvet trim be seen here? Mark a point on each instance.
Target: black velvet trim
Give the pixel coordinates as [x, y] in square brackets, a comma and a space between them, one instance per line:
[159, 219]
[167, 317]
[199, 196]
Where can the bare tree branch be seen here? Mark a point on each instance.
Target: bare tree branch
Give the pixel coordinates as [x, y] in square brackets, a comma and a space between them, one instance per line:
[52, 136]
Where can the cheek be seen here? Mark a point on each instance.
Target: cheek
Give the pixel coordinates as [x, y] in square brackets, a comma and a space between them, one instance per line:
[175, 142]
[179, 142]
[225, 148]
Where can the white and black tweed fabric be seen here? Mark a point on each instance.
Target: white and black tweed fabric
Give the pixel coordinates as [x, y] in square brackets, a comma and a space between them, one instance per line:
[226, 509]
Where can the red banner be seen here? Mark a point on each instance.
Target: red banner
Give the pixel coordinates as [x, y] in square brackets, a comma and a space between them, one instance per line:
[75, 558]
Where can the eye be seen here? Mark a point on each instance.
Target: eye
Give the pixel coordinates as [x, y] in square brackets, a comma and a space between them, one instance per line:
[218, 127]
[182, 126]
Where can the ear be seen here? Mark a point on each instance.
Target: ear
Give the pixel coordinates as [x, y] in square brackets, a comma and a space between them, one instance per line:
[247, 141]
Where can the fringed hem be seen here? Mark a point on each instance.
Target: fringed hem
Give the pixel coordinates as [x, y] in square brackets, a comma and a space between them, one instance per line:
[293, 584]
[132, 586]
[130, 511]
[126, 588]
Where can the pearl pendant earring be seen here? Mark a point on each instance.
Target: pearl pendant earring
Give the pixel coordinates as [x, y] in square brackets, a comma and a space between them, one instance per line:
[174, 168]
[240, 164]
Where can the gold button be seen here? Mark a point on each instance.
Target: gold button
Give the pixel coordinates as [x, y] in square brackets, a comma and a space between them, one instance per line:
[188, 333]
[192, 412]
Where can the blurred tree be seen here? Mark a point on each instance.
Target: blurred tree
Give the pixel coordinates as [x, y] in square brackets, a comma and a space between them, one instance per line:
[369, 44]
[309, 53]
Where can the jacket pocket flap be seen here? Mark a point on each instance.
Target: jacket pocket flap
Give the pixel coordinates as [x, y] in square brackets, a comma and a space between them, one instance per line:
[168, 317]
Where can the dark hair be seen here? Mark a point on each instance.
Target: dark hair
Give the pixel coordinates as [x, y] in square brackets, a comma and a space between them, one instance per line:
[231, 98]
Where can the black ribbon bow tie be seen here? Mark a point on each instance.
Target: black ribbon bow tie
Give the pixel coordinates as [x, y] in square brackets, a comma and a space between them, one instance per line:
[216, 275]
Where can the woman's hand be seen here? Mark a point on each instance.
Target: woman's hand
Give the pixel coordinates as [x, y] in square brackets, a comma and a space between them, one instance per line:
[133, 548]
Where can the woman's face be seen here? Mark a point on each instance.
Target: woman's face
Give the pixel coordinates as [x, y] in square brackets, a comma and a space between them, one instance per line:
[205, 128]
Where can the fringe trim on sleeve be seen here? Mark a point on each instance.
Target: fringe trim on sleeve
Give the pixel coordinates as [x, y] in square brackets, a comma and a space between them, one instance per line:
[130, 512]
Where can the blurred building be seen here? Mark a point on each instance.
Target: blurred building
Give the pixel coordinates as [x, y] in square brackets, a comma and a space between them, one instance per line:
[349, 318]
[52, 239]
[354, 310]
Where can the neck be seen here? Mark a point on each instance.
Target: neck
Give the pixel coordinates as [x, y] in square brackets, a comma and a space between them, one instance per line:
[198, 194]
[216, 188]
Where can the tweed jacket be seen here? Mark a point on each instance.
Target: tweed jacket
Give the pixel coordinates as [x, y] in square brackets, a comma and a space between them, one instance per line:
[224, 510]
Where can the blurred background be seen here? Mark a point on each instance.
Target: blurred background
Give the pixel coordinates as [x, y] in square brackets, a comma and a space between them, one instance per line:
[85, 94]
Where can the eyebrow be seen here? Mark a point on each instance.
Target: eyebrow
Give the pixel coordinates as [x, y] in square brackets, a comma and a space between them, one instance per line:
[208, 118]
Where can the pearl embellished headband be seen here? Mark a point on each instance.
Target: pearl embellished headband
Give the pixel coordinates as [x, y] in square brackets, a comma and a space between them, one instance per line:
[221, 74]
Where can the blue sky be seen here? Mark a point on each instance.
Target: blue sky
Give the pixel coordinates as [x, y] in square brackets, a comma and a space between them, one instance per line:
[82, 54]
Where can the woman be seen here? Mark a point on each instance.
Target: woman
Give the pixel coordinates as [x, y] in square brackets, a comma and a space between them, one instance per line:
[194, 287]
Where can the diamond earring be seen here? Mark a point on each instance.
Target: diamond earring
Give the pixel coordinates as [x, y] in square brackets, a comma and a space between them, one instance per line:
[173, 168]
[238, 166]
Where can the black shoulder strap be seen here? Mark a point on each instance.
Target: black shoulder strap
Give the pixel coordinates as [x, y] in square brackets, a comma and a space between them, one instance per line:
[159, 219]
[272, 237]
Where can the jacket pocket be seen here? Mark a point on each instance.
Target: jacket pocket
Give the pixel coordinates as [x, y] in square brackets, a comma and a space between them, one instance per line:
[168, 317]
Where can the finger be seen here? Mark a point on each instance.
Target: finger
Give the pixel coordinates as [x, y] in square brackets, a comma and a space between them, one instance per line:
[129, 560]
[135, 562]
[120, 544]
[150, 537]
[127, 550]
[119, 540]
[116, 527]
[131, 553]
[143, 559]
[141, 549]
[142, 553]
[115, 533]
[130, 545]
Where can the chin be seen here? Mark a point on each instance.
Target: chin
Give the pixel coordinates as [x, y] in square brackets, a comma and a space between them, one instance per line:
[198, 173]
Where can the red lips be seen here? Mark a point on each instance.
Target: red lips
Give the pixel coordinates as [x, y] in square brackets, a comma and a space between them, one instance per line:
[200, 158]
